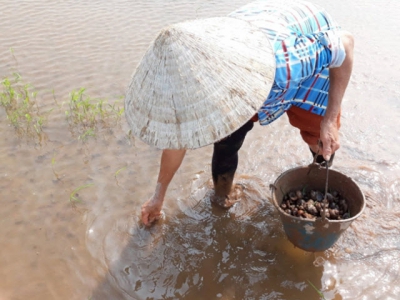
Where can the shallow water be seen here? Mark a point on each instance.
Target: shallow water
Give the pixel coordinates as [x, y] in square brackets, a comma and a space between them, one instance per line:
[55, 248]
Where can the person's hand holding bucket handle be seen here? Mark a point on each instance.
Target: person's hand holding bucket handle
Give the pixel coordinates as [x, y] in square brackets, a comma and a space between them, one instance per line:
[329, 139]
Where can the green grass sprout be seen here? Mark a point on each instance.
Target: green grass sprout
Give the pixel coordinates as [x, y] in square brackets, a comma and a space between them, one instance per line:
[86, 115]
[74, 197]
[118, 171]
[317, 290]
[53, 162]
[19, 102]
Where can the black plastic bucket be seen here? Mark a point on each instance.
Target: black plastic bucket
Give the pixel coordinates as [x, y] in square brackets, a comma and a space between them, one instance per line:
[318, 234]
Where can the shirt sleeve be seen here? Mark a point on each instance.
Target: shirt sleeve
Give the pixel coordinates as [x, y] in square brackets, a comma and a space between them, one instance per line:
[302, 56]
[331, 39]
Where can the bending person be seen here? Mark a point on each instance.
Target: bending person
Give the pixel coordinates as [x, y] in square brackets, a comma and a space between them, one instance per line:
[313, 64]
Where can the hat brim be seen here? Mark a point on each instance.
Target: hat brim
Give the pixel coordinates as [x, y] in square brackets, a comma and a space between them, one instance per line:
[198, 82]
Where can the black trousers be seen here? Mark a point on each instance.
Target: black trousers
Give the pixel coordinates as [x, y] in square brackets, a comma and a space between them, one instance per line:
[225, 160]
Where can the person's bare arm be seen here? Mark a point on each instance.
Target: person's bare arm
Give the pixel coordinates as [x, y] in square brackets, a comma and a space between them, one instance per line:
[170, 162]
[339, 79]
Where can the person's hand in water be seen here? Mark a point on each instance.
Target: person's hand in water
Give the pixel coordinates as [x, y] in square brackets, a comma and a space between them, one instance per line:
[151, 211]
[170, 162]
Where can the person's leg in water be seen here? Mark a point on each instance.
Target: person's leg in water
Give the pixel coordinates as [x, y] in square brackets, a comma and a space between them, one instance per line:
[225, 161]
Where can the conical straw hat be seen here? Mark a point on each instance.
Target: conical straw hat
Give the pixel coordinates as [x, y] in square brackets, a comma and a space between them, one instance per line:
[198, 82]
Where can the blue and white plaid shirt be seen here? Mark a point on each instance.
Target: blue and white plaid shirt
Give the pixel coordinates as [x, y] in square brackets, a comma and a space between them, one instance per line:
[306, 44]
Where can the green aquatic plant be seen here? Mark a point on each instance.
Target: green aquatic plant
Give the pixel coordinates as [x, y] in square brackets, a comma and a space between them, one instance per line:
[53, 162]
[317, 290]
[117, 172]
[19, 102]
[86, 115]
[88, 133]
[74, 197]
[13, 55]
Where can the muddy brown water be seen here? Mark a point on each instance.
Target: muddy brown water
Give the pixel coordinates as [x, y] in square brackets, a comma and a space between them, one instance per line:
[52, 248]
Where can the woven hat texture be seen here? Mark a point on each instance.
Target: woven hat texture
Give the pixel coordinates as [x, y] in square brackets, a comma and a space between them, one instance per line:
[198, 82]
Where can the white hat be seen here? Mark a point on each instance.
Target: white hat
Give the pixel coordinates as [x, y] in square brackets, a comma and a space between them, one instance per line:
[198, 82]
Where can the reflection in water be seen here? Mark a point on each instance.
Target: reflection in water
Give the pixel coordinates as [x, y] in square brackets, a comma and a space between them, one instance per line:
[97, 248]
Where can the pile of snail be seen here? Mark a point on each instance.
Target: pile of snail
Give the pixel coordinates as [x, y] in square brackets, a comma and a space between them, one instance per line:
[311, 205]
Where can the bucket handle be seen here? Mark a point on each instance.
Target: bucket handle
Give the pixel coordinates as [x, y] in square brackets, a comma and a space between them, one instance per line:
[273, 188]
